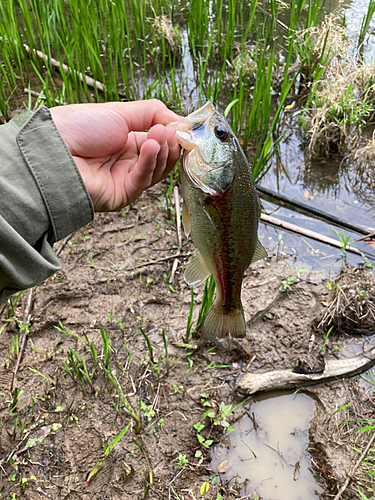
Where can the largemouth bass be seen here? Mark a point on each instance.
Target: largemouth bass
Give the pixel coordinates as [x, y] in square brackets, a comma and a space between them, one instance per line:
[221, 210]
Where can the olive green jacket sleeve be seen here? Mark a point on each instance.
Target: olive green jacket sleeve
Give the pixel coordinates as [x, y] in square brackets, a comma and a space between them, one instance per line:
[42, 199]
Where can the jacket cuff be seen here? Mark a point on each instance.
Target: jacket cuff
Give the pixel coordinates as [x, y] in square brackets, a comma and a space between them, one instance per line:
[55, 173]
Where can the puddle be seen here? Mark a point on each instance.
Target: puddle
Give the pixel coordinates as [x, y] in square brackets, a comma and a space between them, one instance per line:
[267, 452]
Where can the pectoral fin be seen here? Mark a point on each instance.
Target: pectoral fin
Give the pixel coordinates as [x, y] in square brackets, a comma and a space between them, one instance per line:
[260, 253]
[186, 221]
[213, 216]
[196, 272]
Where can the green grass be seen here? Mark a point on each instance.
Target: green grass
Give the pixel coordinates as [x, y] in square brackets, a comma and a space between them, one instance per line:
[140, 49]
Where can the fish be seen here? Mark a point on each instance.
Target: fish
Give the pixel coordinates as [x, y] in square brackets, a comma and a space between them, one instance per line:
[221, 211]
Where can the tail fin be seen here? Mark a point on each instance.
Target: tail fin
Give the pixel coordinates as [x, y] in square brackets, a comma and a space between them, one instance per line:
[219, 324]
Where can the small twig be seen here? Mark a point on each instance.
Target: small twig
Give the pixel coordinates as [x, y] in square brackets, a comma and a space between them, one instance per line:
[42, 96]
[366, 237]
[63, 244]
[26, 319]
[278, 453]
[174, 269]
[151, 262]
[358, 463]
[282, 25]
[247, 446]
[179, 234]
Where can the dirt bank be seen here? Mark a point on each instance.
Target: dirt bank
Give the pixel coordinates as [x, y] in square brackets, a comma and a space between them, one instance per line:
[115, 278]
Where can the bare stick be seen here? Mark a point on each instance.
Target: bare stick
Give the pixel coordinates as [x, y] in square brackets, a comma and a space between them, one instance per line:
[151, 262]
[90, 81]
[26, 319]
[63, 243]
[368, 236]
[179, 234]
[358, 463]
[310, 234]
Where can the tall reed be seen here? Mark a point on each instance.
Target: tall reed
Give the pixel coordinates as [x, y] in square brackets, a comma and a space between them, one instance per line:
[119, 44]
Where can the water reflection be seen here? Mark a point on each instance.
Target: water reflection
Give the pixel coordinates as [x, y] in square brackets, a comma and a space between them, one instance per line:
[268, 451]
[341, 188]
[354, 13]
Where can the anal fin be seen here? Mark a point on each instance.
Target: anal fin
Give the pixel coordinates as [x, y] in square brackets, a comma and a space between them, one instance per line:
[196, 272]
[260, 252]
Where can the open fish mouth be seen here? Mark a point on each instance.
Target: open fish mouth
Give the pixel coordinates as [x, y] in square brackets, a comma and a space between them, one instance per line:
[192, 126]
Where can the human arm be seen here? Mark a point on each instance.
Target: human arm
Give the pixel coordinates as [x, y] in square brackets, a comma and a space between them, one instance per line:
[44, 197]
[42, 200]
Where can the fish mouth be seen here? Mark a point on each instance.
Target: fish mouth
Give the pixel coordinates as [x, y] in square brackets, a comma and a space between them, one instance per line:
[190, 125]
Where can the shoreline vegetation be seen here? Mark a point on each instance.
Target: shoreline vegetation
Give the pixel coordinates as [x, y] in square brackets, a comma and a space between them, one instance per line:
[271, 66]
[240, 55]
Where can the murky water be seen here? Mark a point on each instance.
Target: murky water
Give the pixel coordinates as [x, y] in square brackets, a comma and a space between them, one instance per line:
[329, 185]
[268, 451]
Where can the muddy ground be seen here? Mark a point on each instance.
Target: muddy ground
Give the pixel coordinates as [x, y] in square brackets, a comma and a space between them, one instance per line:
[113, 278]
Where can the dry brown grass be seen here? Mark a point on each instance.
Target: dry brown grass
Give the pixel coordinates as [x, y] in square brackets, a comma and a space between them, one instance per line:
[352, 306]
[344, 99]
[164, 28]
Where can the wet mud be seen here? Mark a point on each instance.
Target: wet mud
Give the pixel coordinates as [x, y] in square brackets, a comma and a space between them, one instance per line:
[116, 277]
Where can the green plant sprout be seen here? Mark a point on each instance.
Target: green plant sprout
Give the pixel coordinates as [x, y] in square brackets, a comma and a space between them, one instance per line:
[322, 348]
[182, 460]
[287, 283]
[207, 299]
[344, 240]
[107, 451]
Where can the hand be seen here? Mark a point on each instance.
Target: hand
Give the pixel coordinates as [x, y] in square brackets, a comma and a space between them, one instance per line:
[116, 158]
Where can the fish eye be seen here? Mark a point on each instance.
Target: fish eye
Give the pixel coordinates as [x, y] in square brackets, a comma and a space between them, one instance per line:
[221, 133]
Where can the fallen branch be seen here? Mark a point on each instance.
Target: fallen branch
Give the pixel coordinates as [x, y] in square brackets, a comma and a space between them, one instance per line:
[334, 369]
[268, 219]
[90, 81]
[297, 206]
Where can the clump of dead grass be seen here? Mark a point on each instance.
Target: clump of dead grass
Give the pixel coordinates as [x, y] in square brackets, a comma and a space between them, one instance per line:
[164, 29]
[244, 63]
[352, 306]
[342, 100]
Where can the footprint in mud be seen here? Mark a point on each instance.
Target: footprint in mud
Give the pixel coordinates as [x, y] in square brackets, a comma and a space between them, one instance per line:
[267, 452]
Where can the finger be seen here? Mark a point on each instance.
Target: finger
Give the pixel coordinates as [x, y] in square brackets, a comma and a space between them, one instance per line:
[140, 178]
[174, 147]
[142, 115]
[159, 133]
